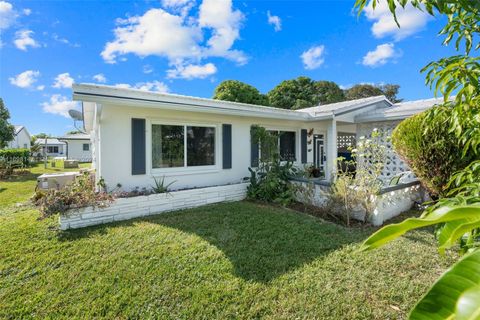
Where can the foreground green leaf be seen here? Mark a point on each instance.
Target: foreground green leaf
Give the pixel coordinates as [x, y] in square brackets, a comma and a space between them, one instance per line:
[456, 295]
[440, 215]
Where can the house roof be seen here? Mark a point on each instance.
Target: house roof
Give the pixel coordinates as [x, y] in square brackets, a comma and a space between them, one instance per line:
[399, 110]
[18, 129]
[344, 106]
[77, 136]
[378, 107]
[50, 141]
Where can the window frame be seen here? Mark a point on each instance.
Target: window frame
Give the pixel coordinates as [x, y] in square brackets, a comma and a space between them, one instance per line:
[86, 144]
[285, 129]
[183, 170]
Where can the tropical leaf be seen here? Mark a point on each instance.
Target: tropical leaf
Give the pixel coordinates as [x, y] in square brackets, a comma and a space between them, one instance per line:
[456, 295]
[440, 215]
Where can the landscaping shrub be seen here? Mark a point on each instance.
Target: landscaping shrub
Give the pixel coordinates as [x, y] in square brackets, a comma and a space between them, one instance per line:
[79, 194]
[270, 181]
[355, 191]
[18, 157]
[431, 149]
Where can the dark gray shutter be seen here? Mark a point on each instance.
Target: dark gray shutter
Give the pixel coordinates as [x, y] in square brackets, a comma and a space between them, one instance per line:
[227, 146]
[138, 146]
[303, 144]
[253, 152]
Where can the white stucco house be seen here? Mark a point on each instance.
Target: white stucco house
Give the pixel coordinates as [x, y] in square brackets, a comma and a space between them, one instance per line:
[52, 147]
[77, 147]
[21, 139]
[198, 142]
[204, 147]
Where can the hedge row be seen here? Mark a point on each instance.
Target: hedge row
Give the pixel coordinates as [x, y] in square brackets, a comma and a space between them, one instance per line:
[15, 156]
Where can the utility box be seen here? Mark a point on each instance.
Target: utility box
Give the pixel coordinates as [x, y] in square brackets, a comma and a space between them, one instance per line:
[70, 164]
[55, 180]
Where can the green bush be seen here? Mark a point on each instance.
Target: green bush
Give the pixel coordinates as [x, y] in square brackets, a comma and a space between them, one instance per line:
[20, 156]
[432, 151]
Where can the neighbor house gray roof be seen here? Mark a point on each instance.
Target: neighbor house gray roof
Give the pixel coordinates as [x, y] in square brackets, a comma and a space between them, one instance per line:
[50, 141]
[399, 110]
[77, 136]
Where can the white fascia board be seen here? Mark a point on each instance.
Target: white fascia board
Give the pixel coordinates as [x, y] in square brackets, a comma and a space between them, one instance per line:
[135, 98]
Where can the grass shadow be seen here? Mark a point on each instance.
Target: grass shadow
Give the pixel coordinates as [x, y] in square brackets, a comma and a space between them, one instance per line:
[262, 242]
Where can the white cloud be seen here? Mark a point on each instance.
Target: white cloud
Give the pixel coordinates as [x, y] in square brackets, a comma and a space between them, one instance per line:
[100, 78]
[179, 38]
[40, 87]
[23, 40]
[275, 21]
[192, 71]
[25, 79]
[27, 11]
[57, 38]
[381, 55]
[147, 69]
[7, 15]
[60, 105]
[313, 57]
[156, 86]
[63, 80]
[411, 20]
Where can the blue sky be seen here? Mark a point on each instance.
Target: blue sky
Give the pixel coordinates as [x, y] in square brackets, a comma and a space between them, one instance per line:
[189, 47]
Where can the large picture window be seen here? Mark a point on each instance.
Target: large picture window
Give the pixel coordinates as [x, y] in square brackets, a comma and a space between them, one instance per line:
[285, 145]
[180, 146]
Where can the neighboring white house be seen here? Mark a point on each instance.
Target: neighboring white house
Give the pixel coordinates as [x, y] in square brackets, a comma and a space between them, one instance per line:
[197, 142]
[21, 139]
[78, 147]
[52, 147]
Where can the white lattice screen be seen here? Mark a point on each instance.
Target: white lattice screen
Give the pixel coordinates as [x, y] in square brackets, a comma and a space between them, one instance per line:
[393, 165]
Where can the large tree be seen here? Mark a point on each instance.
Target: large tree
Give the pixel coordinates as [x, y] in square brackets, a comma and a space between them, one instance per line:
[328, 92]
[390, 91]
[360, 91]
[294, 94]
[237, 91]
[7, 131]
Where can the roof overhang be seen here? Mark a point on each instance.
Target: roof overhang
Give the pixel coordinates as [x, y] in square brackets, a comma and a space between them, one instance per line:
[95, 94]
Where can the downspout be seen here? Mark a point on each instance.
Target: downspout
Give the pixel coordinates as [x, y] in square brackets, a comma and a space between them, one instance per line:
[66, 144]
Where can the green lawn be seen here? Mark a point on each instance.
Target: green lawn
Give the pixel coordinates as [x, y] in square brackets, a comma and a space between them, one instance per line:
[236, 260]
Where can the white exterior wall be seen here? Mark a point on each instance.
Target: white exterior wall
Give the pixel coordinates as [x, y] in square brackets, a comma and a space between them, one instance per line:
[76, 152]
[21, 140]
[113, 146]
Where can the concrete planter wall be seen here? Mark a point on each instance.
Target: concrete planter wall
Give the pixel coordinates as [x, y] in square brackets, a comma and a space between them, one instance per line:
[389, 203]
[134, 207]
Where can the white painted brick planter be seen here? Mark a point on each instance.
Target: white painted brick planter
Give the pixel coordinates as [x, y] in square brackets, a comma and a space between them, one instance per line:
[134, 207]
[391, 201]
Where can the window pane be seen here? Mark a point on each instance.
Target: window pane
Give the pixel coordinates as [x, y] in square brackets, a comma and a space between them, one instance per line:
[200, 146]
[270, 147]
[167, 146]
[287, 145]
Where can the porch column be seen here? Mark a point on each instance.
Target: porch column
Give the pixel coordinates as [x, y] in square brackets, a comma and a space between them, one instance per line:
[332, 155]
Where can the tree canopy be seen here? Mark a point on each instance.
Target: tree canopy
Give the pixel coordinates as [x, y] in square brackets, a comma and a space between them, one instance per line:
[237, 91]
[7, 130]
[329, 92]
[301, 92]
[294, 94]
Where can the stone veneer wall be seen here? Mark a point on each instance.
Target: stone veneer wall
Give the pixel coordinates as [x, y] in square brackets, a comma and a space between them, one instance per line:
[134, 207]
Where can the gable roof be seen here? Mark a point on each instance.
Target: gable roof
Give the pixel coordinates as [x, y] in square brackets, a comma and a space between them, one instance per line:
[345, 106]
[399, 111]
